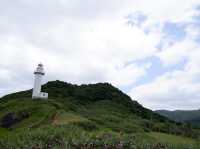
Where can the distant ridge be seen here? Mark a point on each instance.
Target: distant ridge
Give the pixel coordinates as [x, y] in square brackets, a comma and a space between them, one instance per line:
[188, 116]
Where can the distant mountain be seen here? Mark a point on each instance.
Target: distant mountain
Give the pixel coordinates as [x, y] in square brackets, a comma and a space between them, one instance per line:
[190, 116]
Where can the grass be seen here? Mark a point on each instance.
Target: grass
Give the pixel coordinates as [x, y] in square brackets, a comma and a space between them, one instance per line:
[54, 122]
[167, 138]
[62, 118]
[71, 136]
[4, 132]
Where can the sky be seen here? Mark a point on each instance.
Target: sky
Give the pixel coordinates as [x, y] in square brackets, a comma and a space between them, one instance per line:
[148, 49]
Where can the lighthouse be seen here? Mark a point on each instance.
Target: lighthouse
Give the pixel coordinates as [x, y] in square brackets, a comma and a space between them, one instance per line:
[38, 74]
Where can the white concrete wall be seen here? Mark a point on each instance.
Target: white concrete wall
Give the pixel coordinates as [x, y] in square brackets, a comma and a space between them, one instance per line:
[37, 85]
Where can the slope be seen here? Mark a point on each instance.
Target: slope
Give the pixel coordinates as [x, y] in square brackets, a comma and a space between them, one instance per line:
[79, 112]
[100, 104]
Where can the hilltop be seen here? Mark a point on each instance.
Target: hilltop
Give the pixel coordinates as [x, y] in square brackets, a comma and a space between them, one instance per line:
[101, 104]
[90, 110]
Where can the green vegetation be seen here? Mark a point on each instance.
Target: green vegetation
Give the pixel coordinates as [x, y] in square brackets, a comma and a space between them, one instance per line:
[71, 136]
[172, 139]
[86, 116]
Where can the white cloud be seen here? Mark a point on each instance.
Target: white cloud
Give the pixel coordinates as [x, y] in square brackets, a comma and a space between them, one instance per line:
[178, 52]
[127, 75]
[175, 90]
[90, 41]
[93, 55]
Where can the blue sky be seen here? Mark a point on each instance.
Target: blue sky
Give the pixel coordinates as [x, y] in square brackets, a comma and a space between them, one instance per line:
[149, 49]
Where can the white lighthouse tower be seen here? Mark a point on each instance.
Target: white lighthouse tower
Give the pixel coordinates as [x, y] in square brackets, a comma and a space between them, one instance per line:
[39, 73]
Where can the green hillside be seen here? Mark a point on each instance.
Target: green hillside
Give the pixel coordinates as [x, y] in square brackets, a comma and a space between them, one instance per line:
[86, 116]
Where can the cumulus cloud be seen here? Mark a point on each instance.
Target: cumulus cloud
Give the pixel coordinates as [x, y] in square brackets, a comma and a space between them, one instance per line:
[175, 90]
[102, 41]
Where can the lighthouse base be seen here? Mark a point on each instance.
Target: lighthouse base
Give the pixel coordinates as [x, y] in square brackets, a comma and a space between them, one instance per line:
[41, 95]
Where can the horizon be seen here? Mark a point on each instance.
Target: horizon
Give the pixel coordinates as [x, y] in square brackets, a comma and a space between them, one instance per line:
[103, 83]
[149, 50]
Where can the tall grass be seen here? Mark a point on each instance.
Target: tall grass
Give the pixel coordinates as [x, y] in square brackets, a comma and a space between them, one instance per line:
[73, 137]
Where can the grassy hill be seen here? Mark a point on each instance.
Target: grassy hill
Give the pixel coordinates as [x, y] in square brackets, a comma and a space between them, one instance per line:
[86, 116]
[189, 116]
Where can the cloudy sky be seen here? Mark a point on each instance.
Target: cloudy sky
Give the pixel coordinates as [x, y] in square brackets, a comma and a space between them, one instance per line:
[149, 49]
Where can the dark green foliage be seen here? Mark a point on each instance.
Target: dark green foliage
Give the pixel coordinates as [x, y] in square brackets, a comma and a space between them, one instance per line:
[85, 94]
[24, 94]
[86, 125]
